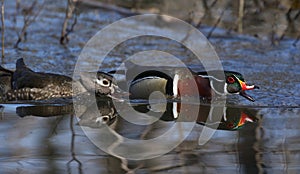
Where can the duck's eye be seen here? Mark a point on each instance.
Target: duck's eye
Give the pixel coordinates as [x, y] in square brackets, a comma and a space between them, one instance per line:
[230, 80]
[104, 82]
[105, 119]
[230, 125]
[102, 120]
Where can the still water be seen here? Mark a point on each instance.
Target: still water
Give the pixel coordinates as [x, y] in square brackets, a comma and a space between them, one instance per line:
[259, 137]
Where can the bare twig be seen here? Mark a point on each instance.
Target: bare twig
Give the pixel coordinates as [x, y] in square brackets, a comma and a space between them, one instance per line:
[207, 10]
[28, 17]
[106, 6]
[241, 16]
[17, 5]
[2, 28]
[297, 15]
[216, 24]
[288, 15]
[274, 37]
[291, 25]
[297, 40]
[17, 11]
[65, 31]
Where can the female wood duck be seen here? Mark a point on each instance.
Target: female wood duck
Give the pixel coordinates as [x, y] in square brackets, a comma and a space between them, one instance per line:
[5, 82]
[149, 81]
[25, 84]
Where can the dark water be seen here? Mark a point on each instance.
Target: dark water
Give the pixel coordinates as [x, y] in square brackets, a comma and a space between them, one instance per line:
[46, 138]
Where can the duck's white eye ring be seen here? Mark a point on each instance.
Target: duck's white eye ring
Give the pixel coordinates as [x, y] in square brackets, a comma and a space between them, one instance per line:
[103, 82]
[103, 119]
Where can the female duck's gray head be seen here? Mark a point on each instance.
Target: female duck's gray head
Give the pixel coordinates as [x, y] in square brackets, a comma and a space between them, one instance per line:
[102, 83]
[105, 84]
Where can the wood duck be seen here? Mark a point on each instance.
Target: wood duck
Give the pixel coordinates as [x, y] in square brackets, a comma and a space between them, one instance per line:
[5, 82]
[25, 84]
[147, 82]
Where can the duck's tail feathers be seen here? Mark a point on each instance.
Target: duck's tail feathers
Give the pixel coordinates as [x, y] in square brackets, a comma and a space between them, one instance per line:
[20, 63]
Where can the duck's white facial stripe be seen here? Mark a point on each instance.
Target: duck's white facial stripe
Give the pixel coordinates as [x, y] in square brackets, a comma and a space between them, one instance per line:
[219, 93]
[212, 85]
[211, 77]
[144, 79]
[225, 89]
[175, 85]
[224, 114]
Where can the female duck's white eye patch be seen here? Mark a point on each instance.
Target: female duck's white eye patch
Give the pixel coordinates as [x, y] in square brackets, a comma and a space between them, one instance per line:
[102, 120]
[103, 82]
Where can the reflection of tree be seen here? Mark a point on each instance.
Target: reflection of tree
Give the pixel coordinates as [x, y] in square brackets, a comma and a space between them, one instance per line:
[124, 161]
[74, 158]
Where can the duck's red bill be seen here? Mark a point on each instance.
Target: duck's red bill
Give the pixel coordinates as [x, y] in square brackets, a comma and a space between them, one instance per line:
[246, 87]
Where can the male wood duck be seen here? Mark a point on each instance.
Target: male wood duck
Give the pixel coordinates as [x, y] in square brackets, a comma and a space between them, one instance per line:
[149, 81]
[25, 84]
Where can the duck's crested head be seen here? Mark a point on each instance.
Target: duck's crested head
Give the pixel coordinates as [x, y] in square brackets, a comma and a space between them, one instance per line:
[102, 83]
[105, 83]
[235, 84]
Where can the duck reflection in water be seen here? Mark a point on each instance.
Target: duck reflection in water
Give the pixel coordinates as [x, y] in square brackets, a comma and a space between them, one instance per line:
[106, 113]
[233, 118]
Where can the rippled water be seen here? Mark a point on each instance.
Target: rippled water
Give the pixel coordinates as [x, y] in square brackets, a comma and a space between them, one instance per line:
[37, 137]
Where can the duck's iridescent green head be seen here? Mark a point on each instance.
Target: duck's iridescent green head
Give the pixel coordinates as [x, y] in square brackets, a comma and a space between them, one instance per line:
[235, 84]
